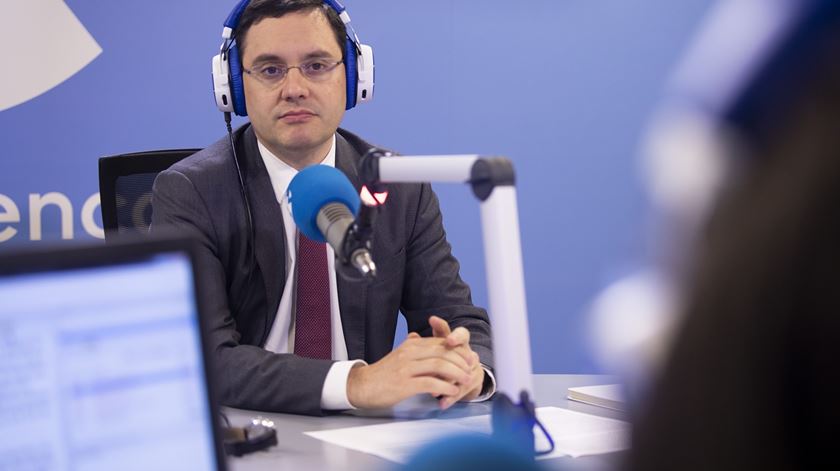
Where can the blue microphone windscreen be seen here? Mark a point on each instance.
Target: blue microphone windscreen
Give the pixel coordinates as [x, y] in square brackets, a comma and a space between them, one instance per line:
[314, 187]
[471, 452]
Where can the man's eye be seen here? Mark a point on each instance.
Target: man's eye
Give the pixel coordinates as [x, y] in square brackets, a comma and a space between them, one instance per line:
[271, 71]
[317, 66]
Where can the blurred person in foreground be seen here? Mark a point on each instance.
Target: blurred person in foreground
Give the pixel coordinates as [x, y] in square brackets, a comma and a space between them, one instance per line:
[751, 381]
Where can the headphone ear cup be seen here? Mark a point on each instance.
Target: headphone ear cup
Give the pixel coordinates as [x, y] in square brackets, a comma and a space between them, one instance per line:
[237, 89]
[352, 75]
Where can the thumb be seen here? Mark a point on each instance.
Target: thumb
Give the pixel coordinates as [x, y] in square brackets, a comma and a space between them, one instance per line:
[440, 328]
[459, 336]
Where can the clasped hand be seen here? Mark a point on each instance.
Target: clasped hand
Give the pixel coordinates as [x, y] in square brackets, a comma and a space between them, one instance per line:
[443, 366]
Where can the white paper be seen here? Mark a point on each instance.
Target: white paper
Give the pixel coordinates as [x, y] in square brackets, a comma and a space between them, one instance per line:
[575, 434]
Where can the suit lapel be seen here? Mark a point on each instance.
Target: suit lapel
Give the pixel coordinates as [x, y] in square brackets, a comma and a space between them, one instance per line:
[352, 295]
[269, 232]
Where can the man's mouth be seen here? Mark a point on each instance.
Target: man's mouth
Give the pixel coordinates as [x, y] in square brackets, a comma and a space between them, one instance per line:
[294, 116]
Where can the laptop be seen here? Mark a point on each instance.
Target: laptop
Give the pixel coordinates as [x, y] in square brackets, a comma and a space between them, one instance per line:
[102, 363]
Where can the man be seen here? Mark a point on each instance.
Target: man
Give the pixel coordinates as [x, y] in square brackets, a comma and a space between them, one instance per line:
[254, 264]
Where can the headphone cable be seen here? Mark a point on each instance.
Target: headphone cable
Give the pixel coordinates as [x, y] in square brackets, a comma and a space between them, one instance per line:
[252, 258]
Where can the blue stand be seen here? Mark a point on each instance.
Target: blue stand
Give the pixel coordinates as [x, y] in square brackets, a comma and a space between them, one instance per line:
[514, 423]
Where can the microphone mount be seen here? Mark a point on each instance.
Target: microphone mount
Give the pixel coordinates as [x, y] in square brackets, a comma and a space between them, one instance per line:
[357, 242]
[493, 183]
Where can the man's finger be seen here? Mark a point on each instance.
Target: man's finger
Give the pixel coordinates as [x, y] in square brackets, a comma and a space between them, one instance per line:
[431, 385]
[448, 400]
[466, 391]
[459, 336]
[432, 346]
[464, 352]
[440, 328]
[458, 357]
[439, 368]
[427, 347]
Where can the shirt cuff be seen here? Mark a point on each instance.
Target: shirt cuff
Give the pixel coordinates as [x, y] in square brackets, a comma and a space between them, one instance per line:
[488, 388]
[334, 393]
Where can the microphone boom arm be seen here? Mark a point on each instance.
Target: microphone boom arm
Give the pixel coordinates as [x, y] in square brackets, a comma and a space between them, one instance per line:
[493, 182]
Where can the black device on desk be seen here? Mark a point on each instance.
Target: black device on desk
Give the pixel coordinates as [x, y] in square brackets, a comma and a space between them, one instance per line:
[102, 360]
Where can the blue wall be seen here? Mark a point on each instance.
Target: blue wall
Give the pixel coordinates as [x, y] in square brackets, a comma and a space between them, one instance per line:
[562, 87]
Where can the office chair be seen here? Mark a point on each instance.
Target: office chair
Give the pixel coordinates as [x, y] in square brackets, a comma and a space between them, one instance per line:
[125, 188]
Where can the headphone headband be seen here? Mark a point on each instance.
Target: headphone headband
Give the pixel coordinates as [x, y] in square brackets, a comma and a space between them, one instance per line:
[233, 18]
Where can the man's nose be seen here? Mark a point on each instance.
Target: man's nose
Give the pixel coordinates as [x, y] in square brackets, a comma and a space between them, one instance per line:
[295, 85]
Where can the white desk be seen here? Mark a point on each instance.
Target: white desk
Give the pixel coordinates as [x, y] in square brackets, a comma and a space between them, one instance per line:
[301, 452]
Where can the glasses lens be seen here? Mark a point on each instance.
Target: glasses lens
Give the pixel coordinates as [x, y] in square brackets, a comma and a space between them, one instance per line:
[317, 69]
[271, 73]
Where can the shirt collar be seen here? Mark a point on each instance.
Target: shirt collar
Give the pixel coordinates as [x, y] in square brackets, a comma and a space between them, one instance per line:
[280, 173]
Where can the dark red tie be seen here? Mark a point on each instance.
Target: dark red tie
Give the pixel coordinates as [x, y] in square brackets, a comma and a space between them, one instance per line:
[312, 313]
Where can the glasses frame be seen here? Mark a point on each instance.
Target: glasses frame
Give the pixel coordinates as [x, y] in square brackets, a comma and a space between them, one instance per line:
[287, 68]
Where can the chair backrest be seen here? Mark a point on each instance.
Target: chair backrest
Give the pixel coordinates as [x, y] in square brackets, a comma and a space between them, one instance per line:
[125, 188]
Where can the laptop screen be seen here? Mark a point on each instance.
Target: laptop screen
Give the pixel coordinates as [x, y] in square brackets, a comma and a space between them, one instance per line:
[101, 368]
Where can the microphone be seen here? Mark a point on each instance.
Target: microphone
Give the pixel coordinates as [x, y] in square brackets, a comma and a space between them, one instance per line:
[323, 203]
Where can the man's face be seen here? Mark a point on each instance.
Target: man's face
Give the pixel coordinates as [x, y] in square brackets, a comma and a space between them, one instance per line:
[297, 115]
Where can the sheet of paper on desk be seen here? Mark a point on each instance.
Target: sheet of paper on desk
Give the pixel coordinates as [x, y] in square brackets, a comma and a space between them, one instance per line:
[575, 434]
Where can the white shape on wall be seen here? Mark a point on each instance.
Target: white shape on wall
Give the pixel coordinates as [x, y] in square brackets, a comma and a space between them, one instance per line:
[46, 45]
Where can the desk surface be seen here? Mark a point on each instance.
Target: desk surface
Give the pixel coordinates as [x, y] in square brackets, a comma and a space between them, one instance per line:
[298, 451]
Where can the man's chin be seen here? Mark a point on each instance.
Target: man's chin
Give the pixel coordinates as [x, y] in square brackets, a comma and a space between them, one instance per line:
[301, 145]
[301, 142]
[298, 138]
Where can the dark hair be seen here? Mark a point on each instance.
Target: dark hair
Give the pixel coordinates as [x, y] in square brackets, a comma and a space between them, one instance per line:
[257, 10]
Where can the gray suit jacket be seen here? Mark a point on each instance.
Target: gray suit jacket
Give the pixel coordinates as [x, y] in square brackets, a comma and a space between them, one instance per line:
[418, 275]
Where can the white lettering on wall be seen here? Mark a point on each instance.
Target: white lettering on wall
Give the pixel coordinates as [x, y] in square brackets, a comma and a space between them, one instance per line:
[8, 213]
[88, 223]
[37, 203]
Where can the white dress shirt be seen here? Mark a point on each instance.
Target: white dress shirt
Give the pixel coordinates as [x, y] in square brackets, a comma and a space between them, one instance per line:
[281, 337]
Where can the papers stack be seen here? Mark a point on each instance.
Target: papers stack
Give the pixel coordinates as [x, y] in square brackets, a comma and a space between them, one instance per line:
[610, 396]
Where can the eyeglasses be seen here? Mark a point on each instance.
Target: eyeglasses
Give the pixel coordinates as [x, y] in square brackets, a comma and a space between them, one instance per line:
[271, 75]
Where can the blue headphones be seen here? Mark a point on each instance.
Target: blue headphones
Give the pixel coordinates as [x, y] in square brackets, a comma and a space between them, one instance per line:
[227, 65]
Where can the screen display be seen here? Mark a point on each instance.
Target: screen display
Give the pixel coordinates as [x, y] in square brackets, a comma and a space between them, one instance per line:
[101, 369]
